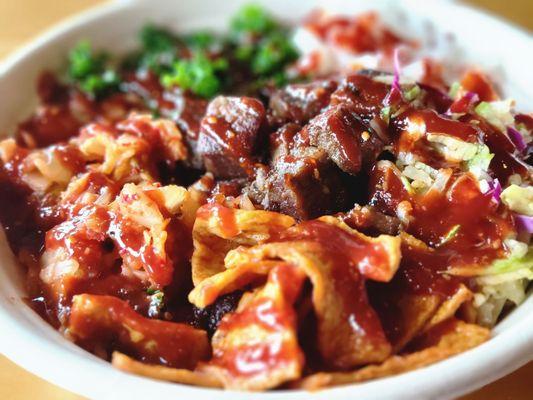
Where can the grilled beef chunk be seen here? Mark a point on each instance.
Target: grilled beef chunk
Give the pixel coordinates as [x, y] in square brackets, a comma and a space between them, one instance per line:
[350, 143]
[337, 131]
[209, 317]
[230, 134]
[301, 180]
[187, 111]
[282, 141]
[370, 221]
[310, 168]
[363, 94]
[300, 102]
[304, 187]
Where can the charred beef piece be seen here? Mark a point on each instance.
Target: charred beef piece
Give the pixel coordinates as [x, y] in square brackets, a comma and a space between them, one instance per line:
[301, 181]
[209, 318]
[299, 103]
[282, 141]
[363, 94]
[230, 134]
[303, 187]
[370, 221]
[347, 140]
[187, 111]
[313, 170]
[55, 119]
[336, 131]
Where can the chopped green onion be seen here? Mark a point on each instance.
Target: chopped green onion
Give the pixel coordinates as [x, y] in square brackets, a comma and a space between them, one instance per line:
[454, 90]
[252, 19]
[273, 53]
[385, 114]
[452, 233]
[157, 40]
[412, 93]
[199, 74]
[89, 70]
[201, 40]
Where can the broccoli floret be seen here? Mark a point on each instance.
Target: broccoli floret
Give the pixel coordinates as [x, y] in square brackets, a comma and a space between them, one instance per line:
[199, 74]
[252, 19]
[89, 70]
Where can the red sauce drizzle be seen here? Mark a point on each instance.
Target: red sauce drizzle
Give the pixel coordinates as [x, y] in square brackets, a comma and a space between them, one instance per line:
[224, 216]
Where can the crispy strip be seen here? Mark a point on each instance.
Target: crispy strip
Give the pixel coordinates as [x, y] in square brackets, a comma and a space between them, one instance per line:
[390, 243]
[178, 375]
[339, 342]
[256, 347]
[459, 338]
[414, 313]
[227, 281]
[450, 306]
[219, 229]
[108, 322]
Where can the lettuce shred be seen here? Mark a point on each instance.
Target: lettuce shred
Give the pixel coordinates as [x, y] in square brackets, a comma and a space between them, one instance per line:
[506, 280]
[519, 199]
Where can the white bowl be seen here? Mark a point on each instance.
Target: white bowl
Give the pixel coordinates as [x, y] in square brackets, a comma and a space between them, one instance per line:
[36, 346]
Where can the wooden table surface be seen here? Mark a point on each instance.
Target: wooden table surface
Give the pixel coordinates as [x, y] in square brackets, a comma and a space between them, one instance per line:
[21, 20]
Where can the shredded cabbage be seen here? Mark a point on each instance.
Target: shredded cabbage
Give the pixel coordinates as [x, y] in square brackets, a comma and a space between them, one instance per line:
[505, 280]
[455, 89]
[519, 199]
[476, 156]
[497, 113]
[515, 262]
[421, 176]
[490, 301]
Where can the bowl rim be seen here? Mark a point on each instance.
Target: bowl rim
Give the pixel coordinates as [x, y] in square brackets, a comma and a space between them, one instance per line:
[59, 361]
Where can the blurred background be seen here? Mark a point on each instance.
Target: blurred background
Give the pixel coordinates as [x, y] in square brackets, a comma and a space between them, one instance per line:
[21, 20]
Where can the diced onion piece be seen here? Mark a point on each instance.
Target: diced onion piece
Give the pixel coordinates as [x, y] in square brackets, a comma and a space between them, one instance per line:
[517, 139]
[397, 70]
[524, 222]
[495, 190]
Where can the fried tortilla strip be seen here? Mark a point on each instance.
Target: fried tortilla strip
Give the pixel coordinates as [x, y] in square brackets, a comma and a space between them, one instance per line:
[403, 314]
[104, 321]
[453, 338]
[450, 306]
[256, 347]
[381, 271]
[228, 281]
[407, 311]
[184, 376]
[219, 229]
[336, 260]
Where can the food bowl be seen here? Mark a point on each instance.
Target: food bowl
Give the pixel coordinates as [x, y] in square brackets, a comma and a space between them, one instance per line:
[31, 342]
